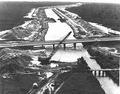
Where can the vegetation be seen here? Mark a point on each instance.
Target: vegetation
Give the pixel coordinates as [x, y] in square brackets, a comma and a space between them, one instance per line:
[107, 61]
[83, 28]
[105, 14]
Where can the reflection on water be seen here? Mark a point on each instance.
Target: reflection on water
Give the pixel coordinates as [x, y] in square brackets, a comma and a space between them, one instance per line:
[109, 86]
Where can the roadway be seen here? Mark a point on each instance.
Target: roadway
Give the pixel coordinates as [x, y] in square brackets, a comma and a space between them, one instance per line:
[51, 42]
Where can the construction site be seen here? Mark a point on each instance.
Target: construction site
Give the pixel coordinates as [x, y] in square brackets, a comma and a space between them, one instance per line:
[57, 52]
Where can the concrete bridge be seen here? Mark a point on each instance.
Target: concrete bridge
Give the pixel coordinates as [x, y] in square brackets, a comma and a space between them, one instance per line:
[101, 72]
[74, 42]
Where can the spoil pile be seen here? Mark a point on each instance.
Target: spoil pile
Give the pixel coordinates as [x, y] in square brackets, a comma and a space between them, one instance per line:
[89, 29]
[12, 61]
[32, 30]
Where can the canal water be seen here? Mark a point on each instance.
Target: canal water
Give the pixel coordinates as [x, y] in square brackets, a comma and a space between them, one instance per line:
[57, 31]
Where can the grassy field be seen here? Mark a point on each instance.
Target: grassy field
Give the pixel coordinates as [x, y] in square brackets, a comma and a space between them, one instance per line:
[105, 14]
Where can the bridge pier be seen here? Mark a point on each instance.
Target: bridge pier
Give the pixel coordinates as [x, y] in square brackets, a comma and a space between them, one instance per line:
[53, 46]
[99, 73]
[95, 73]
[74, 44]
[64, 46]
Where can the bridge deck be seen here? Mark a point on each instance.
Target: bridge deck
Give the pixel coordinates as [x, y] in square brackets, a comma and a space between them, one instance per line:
[27, 43]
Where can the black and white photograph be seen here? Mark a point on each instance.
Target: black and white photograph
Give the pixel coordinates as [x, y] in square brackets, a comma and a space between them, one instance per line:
[59, 46]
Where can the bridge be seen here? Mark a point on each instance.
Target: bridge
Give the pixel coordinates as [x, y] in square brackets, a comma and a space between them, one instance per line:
[101, 72]
[95, 72]
[73, 41]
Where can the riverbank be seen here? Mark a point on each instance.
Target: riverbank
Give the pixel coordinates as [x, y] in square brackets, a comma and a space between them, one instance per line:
[84, 29]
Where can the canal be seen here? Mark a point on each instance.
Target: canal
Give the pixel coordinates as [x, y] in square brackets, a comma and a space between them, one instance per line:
[58, 30]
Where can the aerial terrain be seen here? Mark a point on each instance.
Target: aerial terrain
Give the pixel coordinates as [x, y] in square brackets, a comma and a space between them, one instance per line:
[59, 48]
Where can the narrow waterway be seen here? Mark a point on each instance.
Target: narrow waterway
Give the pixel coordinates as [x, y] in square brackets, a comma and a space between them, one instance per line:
[57, 31]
